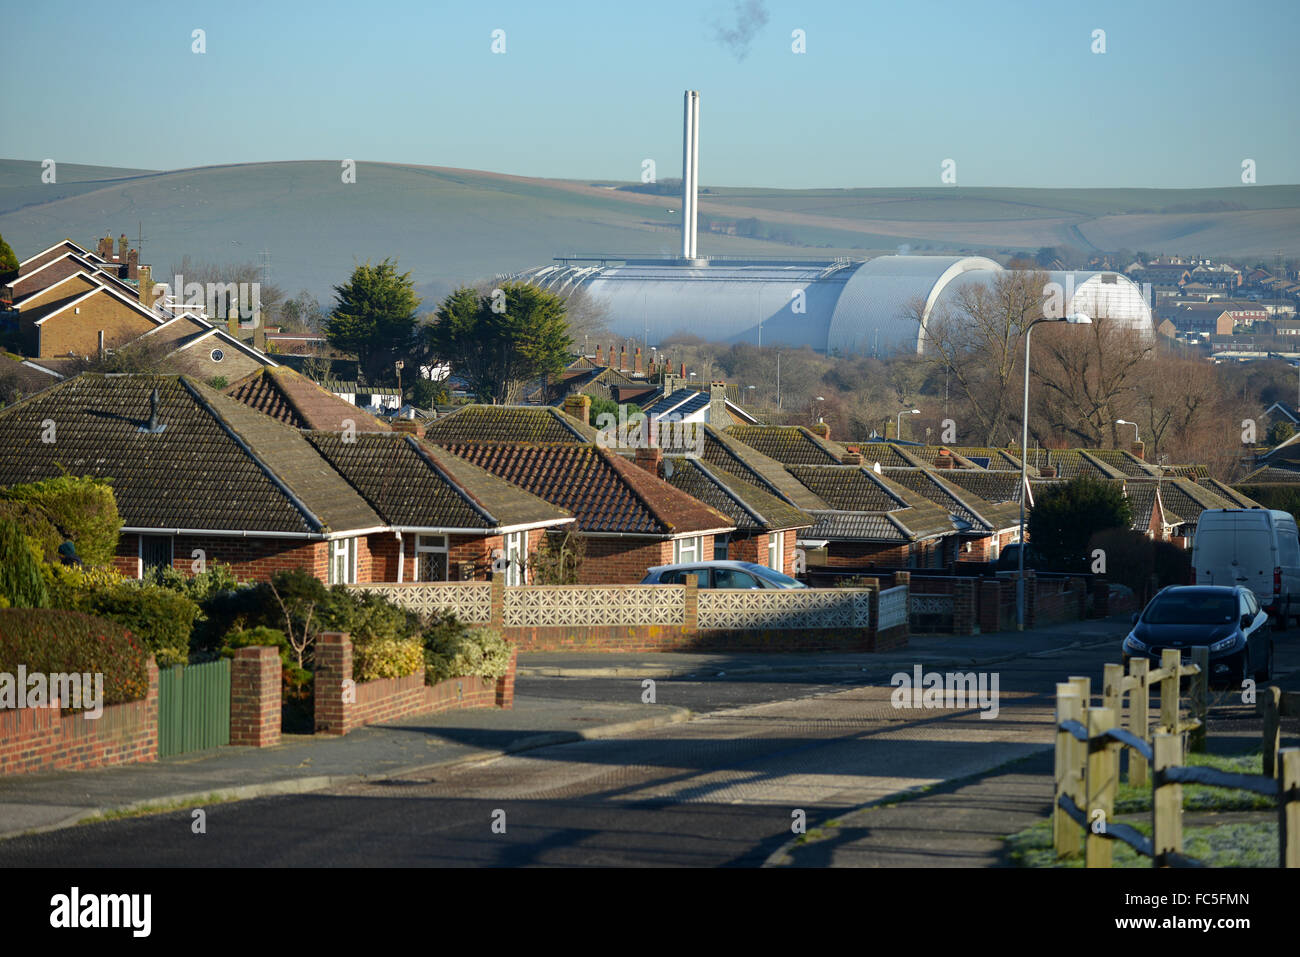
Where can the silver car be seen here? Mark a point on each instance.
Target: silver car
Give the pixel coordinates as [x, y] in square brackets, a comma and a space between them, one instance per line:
[721, 574]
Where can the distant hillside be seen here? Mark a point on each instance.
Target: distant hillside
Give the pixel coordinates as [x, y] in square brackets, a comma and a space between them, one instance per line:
[447, 226]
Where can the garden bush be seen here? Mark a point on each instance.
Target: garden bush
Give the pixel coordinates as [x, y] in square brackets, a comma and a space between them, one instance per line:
[83, 509]
[160, 618]
[1065, 516]
[21, 582]
[451, 653]
[386, 658]
[55, 641]
[36, 524]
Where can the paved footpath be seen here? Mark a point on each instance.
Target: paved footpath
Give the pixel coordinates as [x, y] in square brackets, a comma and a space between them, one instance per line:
[307, 763]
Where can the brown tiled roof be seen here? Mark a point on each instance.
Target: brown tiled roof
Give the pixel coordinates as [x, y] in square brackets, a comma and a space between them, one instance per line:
[788, 444]
[750, 508]
[415, 485]
[216, 465]
[726, 454]
[508, 423]
[605, 492]
[295, 400]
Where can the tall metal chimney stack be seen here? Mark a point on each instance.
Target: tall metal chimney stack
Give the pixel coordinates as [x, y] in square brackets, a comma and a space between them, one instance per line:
[690, 171]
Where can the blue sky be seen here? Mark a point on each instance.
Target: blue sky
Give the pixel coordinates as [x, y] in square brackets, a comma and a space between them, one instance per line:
[884, 94]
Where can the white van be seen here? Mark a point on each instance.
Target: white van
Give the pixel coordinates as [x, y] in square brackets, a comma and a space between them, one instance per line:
[1256, 548]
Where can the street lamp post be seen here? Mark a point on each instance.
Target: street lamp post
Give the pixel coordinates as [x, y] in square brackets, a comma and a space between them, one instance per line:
[1136, 437]
[1073, 319]
[898, 430]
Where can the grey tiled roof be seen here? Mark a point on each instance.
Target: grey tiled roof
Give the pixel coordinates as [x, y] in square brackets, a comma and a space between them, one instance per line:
[1000, 485]
[726, 454]
[751, 508]
[508, 423]
[856, 526]
[217, 464]
[788, 444]
[967, 506]
[1124, 461]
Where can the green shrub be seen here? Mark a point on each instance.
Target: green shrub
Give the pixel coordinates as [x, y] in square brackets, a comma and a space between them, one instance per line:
[474, 651]
[21, 582]
[36, 524]
[56, 641]
[162, 619]
[68, 585]
[386, 658]
[1065, 516]
[83, 509]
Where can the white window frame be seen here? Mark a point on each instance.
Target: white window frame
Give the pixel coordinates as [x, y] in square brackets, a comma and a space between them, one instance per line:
[516, 554]
[421, 548]
[776, 551]
[345, 548]
[688, 550]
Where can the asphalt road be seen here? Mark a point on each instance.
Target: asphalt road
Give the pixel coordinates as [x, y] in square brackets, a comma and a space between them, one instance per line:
[719, 790]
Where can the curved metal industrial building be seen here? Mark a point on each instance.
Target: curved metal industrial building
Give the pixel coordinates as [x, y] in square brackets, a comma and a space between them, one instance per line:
[840, 305]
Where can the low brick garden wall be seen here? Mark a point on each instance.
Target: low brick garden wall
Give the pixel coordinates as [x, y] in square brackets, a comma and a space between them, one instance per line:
[343, 706]
[46, 739]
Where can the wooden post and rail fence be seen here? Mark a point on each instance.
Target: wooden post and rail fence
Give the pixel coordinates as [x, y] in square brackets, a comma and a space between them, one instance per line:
[1088, 745]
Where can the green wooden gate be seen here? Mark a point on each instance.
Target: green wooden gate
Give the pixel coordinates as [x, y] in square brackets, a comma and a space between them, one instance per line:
[193, 707]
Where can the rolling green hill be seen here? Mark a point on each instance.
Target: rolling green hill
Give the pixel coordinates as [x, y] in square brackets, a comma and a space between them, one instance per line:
[446, 225]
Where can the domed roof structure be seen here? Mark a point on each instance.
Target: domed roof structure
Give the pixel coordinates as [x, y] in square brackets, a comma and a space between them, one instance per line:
[841, 305]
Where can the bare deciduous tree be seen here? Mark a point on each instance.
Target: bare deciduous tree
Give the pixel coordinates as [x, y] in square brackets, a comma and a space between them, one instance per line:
[977, 339]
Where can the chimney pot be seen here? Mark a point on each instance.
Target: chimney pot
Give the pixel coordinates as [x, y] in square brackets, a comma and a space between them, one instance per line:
[851, 458]
[600, 361]
[822, 429]
[1139, 449]
[636, 366]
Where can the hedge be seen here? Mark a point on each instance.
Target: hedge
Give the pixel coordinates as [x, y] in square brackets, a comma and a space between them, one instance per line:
[21, 584]
[160, 618]
[84, 510]
[53, 641]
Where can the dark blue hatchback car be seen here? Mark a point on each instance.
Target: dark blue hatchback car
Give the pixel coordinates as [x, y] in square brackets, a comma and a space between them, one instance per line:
[1227, 619]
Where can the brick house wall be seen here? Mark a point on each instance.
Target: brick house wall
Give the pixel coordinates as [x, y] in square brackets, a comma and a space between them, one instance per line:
[753, 548]
[78, 334]
[748, 548]
[625, 559]
[257, 559]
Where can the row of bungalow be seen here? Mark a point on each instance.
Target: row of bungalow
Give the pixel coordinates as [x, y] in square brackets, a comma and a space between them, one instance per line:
[274, 472]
